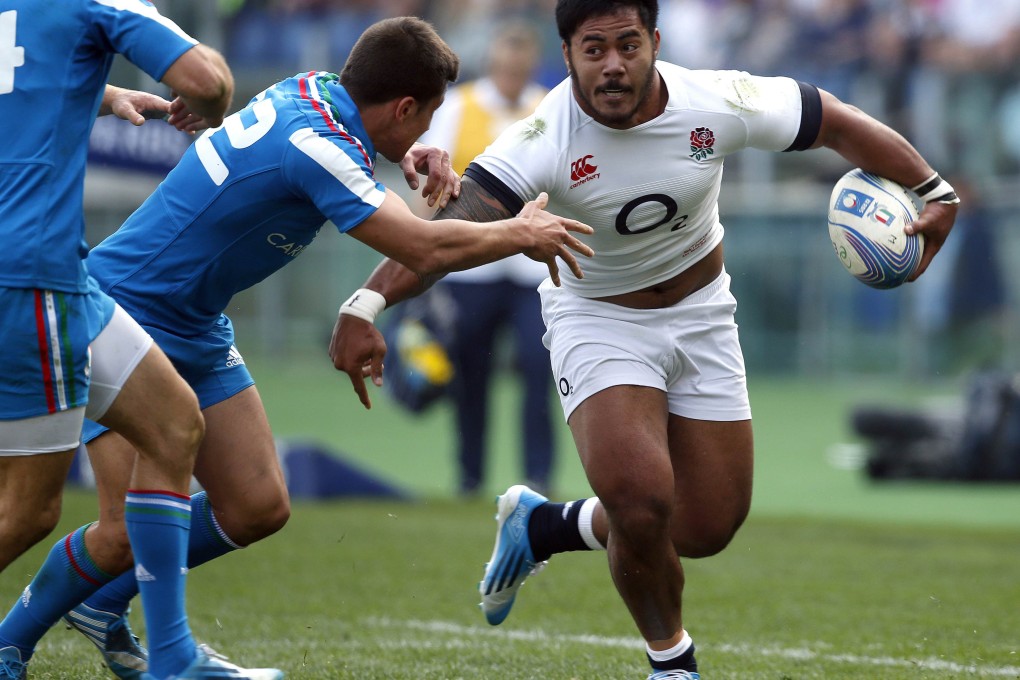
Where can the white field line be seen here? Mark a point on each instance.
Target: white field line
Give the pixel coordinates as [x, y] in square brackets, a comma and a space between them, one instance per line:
[793, 653]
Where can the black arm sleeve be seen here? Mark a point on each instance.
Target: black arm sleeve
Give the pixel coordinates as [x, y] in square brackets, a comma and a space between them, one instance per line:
[810, 118]
[500, 191]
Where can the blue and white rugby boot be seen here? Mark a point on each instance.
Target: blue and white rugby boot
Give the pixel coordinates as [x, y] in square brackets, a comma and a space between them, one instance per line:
[674, 675]
[112, 635]
[210, 665]
[11, 665]
[512, 559]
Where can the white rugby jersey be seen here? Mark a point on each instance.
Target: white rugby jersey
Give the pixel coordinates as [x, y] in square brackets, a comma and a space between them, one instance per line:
[650, 192]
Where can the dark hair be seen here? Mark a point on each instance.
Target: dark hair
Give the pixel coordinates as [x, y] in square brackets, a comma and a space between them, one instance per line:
[572, 13]
[399, 57]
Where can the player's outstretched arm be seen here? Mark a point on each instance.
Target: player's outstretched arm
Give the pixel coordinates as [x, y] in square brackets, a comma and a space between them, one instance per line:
[356, 347]
[204, 87]
[444, 245]
[876, 148]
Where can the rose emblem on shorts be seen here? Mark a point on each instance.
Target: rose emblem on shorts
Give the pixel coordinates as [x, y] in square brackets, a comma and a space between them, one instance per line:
[702, 143]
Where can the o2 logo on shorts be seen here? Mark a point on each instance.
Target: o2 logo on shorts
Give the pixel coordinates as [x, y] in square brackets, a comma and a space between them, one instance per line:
[565, 387]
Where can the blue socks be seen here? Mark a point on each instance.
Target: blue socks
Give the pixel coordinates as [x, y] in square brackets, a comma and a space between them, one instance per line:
[157, 525]
[206, 541]
[165, 529]
[66, 578]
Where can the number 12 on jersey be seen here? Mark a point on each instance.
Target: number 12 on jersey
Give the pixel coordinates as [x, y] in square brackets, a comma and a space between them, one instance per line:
[239, 136]
[11, 56]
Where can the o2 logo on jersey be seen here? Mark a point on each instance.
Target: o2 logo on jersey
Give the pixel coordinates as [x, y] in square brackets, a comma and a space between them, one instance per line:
[239, 136]
[623, 218]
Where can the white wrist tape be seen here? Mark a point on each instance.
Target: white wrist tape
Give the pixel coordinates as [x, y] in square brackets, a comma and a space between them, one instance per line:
[364, 304]
[936, 189]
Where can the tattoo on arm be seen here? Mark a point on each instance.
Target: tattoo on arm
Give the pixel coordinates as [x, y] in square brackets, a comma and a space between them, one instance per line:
[474, 204]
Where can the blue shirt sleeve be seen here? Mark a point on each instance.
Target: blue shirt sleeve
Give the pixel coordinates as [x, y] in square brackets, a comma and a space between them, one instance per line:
[137, 30]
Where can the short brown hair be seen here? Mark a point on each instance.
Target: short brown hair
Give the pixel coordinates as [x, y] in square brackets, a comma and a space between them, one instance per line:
[399, 57]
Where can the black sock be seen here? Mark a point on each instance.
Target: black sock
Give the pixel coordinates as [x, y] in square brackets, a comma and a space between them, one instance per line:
[683, 662]
[553, 529]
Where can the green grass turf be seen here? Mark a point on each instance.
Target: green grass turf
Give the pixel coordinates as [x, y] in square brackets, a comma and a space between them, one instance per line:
[375, 590]
[796, 424]
[832, 577]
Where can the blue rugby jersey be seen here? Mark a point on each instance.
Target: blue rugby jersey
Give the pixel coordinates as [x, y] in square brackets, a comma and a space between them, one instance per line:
[54, 61]
[244, 201]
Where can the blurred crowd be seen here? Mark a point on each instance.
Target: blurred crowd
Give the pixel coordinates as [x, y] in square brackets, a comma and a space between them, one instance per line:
[944, 72]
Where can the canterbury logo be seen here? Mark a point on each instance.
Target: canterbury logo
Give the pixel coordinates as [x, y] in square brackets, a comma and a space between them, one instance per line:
[581, 168]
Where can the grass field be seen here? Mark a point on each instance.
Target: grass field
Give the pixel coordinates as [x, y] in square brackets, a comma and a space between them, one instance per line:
[832, 577]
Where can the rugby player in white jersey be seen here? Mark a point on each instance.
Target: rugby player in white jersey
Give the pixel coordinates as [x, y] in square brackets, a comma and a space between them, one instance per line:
[644, 348]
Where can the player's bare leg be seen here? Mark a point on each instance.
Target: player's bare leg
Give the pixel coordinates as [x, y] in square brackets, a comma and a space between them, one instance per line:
[622, 437]
[244, 499]
[157, 413]
[236, 464]
[239, 469]
[712, 465]
[31, 489]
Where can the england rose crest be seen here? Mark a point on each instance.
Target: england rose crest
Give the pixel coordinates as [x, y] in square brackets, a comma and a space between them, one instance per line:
[702, 141]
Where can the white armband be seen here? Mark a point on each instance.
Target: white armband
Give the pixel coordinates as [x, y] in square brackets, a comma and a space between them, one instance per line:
[364, 304]
[936, 189]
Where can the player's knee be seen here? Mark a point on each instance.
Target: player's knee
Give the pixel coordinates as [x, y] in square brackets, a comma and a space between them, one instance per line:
[274, 516]
[183, 433]
[260, 520]
[115, 555]
[191, 427]
[707, 536]
[632, 515]
[31, 529]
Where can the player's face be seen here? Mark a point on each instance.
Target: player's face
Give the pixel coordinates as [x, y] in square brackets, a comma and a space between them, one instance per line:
[411, 127]
[611, 59]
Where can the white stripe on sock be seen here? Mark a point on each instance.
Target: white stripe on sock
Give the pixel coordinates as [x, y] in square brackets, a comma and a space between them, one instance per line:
[673, 652]
[584, 524]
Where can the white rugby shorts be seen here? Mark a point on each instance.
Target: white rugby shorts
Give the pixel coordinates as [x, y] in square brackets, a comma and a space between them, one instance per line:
[690, 350]
[115, 353]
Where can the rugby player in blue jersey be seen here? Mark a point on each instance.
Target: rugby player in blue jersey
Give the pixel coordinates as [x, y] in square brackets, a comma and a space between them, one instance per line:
[70, 352]
[244, 201]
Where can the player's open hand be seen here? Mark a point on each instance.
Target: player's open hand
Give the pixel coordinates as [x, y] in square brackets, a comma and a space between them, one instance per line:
[935, 222]
[132, 105]
[357, 348]
[186, 120]
[553, 238]
[442, 183]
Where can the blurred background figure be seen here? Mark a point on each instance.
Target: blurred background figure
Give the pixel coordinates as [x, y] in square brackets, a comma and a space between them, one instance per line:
[488, 301]
[962, 312]
[970, 60]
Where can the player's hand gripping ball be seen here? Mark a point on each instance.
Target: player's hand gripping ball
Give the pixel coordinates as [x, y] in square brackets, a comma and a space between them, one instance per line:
[867, 215]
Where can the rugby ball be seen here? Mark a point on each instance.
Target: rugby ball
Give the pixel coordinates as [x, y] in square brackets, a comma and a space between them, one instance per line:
[867, 214]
